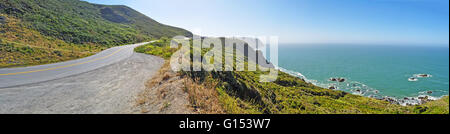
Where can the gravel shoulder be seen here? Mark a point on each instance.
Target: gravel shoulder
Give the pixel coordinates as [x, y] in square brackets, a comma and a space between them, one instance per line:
[164, 94]
[108, 90]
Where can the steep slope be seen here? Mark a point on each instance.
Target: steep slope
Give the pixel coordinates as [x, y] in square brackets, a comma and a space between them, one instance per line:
[239, 92]
[22, 46]
[70, 25]
[82, 22]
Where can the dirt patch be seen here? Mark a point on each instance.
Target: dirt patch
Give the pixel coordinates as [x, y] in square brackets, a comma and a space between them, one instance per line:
[170, 92]
[164, 94]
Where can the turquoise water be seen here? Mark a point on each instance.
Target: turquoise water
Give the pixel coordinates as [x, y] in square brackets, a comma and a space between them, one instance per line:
[370, 70]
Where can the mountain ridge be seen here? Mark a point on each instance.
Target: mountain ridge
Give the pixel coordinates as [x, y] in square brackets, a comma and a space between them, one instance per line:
[34, 32]
[81, 22]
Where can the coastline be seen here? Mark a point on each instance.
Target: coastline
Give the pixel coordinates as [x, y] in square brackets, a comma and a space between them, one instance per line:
[372, 93]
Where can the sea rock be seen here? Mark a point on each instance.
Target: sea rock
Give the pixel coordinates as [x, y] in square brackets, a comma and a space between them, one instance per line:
[332, 88]
[429, 92]
[413, 79]
[333, 79]
[337, 79]
[391, 100]
[424, 98]
[423, 75]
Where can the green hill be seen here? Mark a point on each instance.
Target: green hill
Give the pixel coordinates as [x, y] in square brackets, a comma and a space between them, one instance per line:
[43, 26]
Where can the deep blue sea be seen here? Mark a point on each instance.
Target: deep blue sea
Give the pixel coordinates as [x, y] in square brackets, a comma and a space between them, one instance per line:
[371, 70]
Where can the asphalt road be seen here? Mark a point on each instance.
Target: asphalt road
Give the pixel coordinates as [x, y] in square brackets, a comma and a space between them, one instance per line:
[103, 83]
[10, 77]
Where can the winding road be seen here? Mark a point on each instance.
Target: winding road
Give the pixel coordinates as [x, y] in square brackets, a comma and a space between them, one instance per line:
[103, 83]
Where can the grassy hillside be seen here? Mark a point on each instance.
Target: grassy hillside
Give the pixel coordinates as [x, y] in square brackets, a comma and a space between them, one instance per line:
[159, 48]
[20, 46]
[47, 26]
[241, 92]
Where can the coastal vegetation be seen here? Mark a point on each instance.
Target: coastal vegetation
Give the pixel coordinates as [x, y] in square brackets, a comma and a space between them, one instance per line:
[159, 48]
[46, 31]
[21, 46]
[240, 92]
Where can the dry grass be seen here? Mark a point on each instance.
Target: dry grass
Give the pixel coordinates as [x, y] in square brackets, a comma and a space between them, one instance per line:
[203, 97]
[162, 75]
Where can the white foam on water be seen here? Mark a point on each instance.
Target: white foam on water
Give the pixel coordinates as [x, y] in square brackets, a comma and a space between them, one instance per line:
[361, 89]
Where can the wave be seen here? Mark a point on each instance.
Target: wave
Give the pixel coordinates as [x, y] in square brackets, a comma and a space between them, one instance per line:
[358, 88]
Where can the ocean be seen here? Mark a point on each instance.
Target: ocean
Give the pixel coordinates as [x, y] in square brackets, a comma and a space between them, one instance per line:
[371, 70]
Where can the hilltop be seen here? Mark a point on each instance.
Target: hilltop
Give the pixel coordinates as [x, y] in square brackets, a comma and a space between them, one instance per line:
[46, 31]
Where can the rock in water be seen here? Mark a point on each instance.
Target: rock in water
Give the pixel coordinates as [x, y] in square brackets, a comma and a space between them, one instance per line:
[333, 79]
[413, 79]
[423, 75]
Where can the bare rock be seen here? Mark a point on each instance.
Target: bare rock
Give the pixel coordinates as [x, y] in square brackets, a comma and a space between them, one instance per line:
[332, 88]
[333, 79]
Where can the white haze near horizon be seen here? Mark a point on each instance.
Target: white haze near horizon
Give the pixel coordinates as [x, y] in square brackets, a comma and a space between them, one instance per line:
[387, 22]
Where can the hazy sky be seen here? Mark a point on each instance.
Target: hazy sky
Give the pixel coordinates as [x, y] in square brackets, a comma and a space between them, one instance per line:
[306, 21]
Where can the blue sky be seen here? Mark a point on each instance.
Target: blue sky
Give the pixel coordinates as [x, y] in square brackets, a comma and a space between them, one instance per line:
[424, 22]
